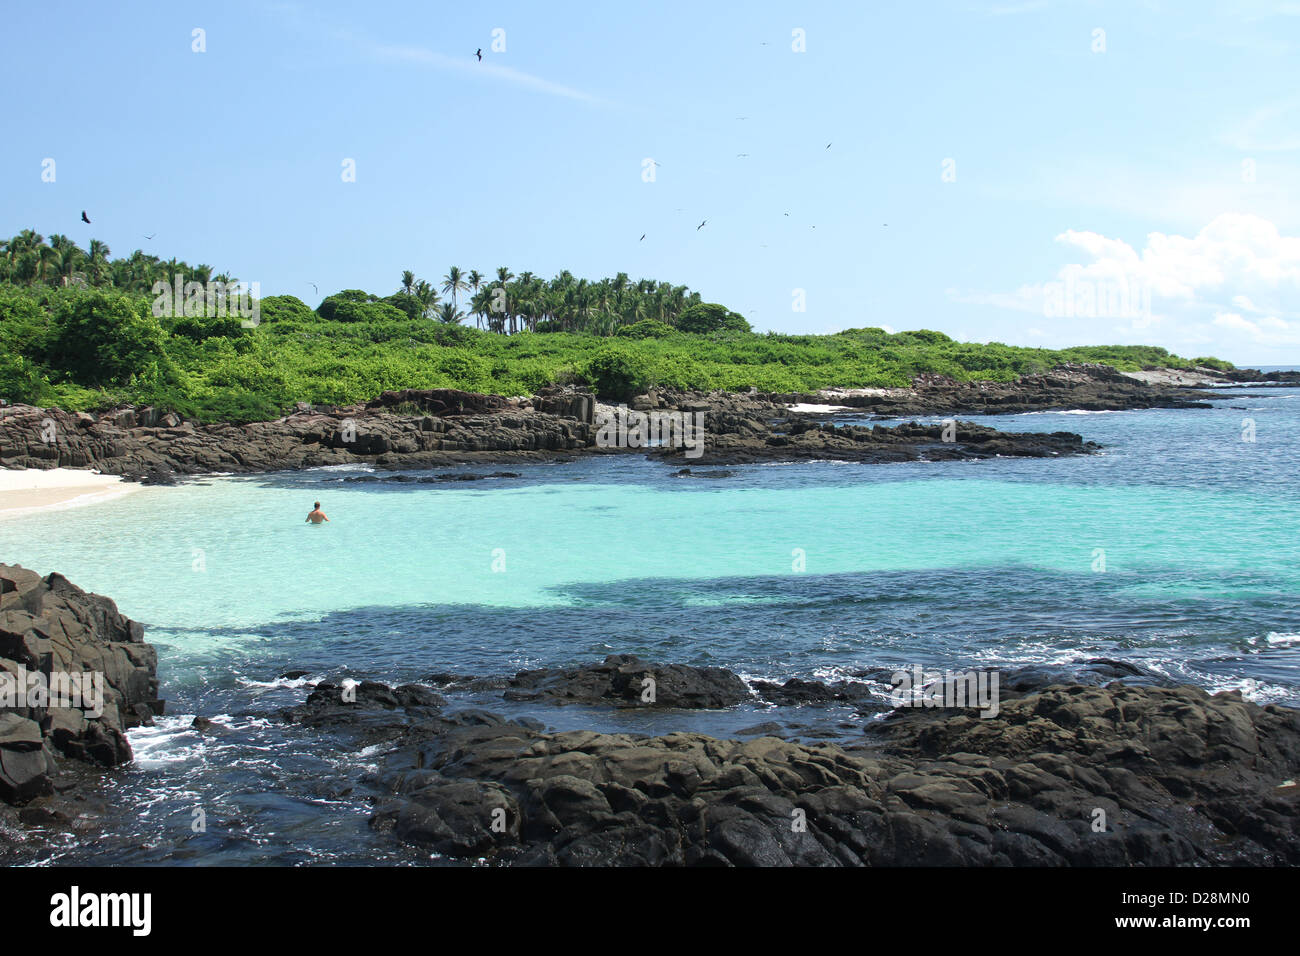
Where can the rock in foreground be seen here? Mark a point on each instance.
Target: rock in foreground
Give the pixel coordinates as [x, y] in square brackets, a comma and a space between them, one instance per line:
[1071, 775]
[50, 627]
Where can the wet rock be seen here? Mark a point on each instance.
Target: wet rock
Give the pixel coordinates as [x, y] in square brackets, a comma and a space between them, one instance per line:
[628, 681]
[1183, 778]
[50, 626]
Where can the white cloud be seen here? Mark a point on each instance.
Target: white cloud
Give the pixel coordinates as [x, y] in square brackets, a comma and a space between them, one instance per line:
[1232, 288]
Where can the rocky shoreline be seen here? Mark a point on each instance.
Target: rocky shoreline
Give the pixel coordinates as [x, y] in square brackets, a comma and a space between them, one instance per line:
[1095, 764]
[1094, 773]
[418, 429]
[50, 627]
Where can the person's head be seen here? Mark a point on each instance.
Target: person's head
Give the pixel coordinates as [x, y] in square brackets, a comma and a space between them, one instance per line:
[317, 506]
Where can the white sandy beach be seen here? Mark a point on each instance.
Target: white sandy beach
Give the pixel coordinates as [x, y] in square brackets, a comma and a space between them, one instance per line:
[24, 491]
[819, 409]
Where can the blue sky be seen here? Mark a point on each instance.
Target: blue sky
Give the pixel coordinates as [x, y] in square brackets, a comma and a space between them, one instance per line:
[1155, 163]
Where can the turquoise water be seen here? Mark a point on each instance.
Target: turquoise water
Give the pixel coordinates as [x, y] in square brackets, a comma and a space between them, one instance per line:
[1174, 548]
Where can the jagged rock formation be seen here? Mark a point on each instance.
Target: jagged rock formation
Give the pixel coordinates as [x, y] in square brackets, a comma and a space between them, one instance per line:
[50, 627]
[413, 428]
[1064, 775]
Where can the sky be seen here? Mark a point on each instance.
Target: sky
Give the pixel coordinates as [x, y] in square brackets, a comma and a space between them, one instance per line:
[1034, 172]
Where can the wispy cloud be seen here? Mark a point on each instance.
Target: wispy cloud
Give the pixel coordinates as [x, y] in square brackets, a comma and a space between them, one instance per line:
[1012, 9]
[311, 22]
[468, 66]
[1269, 129]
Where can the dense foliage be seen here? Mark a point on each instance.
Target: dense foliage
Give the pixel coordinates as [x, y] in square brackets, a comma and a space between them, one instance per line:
[91, 342]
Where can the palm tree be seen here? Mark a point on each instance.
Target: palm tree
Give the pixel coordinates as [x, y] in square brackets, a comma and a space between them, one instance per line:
[69, 258]
[504, 275]
[475, 282]
[47, 262]
[427, 296]
[448, 314]
[98, 260]
[454, 282]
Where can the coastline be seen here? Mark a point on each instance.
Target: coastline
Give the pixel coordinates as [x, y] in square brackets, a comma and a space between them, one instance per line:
[31, 490]
[422, 428]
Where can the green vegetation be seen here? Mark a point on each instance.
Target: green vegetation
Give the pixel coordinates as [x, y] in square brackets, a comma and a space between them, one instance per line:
[79, 330]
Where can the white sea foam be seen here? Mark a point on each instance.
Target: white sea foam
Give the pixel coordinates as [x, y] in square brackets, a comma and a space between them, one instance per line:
[280, 682]
[170, 740]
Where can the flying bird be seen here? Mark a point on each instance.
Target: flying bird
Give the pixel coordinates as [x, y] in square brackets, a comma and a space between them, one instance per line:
[313, 287]
[828, 145]
[150, 237]
[84, 217]
[785, 214]
[642, 237]
[741, 155]
[479, 53]
[700, 226]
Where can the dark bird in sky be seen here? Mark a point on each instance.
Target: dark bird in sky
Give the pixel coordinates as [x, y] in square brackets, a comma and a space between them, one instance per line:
[479, 53]
[828, 145]
[785, 214]
[642, 237]
[313, 287]
[700, 226]
[742, 155]
[150, 237]
[84, 217]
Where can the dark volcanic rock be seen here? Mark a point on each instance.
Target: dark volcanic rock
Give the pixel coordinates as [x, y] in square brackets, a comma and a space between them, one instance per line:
[412, 429]
[1068, 386]
[50, 626]
[1077, 775]
[798, 692]
[628, 681]
[422, 428]
[808, 440]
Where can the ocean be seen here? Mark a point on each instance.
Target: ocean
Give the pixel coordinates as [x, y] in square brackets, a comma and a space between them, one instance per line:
[1173, 548]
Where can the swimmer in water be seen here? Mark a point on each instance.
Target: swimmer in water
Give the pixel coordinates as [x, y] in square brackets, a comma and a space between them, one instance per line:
[317, 516]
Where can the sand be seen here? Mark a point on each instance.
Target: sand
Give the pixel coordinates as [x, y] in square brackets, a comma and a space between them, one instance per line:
[30, 490]
[820, 409]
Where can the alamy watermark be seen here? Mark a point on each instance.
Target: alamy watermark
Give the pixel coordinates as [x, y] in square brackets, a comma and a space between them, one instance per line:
[213, 300]
[977, 689]
[83, 690]
[624, 428]
[1097, 298]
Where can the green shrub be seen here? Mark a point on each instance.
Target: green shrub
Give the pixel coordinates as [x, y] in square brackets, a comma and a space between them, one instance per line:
[705, 317]
[645, 329]
[616, 375]
[108, 338]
